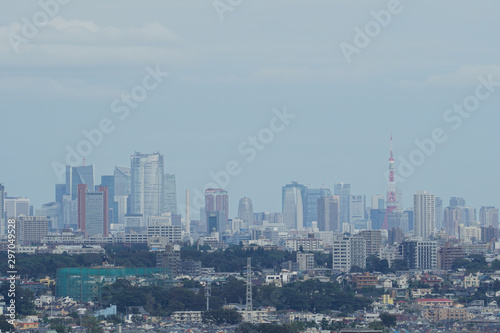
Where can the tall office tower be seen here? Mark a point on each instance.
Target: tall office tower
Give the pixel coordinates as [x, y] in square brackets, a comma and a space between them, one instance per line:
[122, 176]
[293, 196]
[328, 213]
[377, 216]
[3, 219]
[78, 175]
[344, 192]
[15, 206]
[452, 218]
[392, 199]
[457, 202]
[216, 204]
[69, 213]
[424, 214]
[399, 198]
[468, 215]
[311, 204]
[109, 182]
[419, 254]
[348, 251]
[410, 219]
[146, 196]
[60, 191]
[52, 211]
[357, 208]
[439, 213]
[373, 240]
[378, 201]
[170, 194]
[398, 219]
[245, 211]
[31, 229]
[488, 216]
[93, 211]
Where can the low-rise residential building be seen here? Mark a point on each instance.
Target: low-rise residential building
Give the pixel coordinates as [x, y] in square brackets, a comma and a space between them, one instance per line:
[364, 280]
[437, 314]
[186, 317]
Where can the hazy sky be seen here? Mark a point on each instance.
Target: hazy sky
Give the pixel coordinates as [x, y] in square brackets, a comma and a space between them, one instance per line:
[227, 76]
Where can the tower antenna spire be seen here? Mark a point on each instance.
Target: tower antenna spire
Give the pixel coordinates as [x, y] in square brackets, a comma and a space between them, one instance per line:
[392, 202]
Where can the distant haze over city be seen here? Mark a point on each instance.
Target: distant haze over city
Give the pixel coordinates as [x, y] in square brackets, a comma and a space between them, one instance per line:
[224, 80]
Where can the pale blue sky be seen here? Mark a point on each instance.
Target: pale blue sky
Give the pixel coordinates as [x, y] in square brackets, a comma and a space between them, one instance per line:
[227, 76]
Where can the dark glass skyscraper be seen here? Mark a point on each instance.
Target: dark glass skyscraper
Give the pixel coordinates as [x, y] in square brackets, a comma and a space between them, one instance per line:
[311, 204]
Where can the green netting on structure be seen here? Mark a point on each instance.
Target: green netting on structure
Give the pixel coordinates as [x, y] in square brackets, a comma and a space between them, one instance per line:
[86, 284]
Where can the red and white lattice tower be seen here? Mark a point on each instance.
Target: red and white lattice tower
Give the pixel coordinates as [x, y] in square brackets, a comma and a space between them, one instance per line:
[392, 201]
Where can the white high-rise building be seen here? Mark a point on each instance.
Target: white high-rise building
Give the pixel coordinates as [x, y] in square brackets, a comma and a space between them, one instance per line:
[348, 251]
[424, 216]
[293, 207]
[357, 208]
[245, 211]
[147, 174]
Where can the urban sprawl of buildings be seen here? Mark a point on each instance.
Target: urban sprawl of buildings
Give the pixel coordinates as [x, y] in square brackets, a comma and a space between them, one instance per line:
[137, 204]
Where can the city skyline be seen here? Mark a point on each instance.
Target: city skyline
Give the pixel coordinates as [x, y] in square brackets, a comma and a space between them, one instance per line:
[222, 88]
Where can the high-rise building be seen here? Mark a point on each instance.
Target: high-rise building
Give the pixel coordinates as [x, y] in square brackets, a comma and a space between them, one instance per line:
[293, 205]
[447, 254]
[311, 204]
[348, 251]
[378, 201]
[122, 177]
[419, 254]
[451, 220]
[468, 215]
[31, 229]
[398, 219]
[305, 261]
[15, 206]
[60, 192]
[373, 240]
[170, 194]
[457, 202]
[424, 214]
[489, 234]
[328, 213]
[357, 208]
[377, 216]
[78, 175]
[439, 213]
[395, 235]
[344, 192]
[146, 196]
[216, 209]
[488, 216]
[245, 211]
[52, 211]
[93, 211]
[109, 182]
